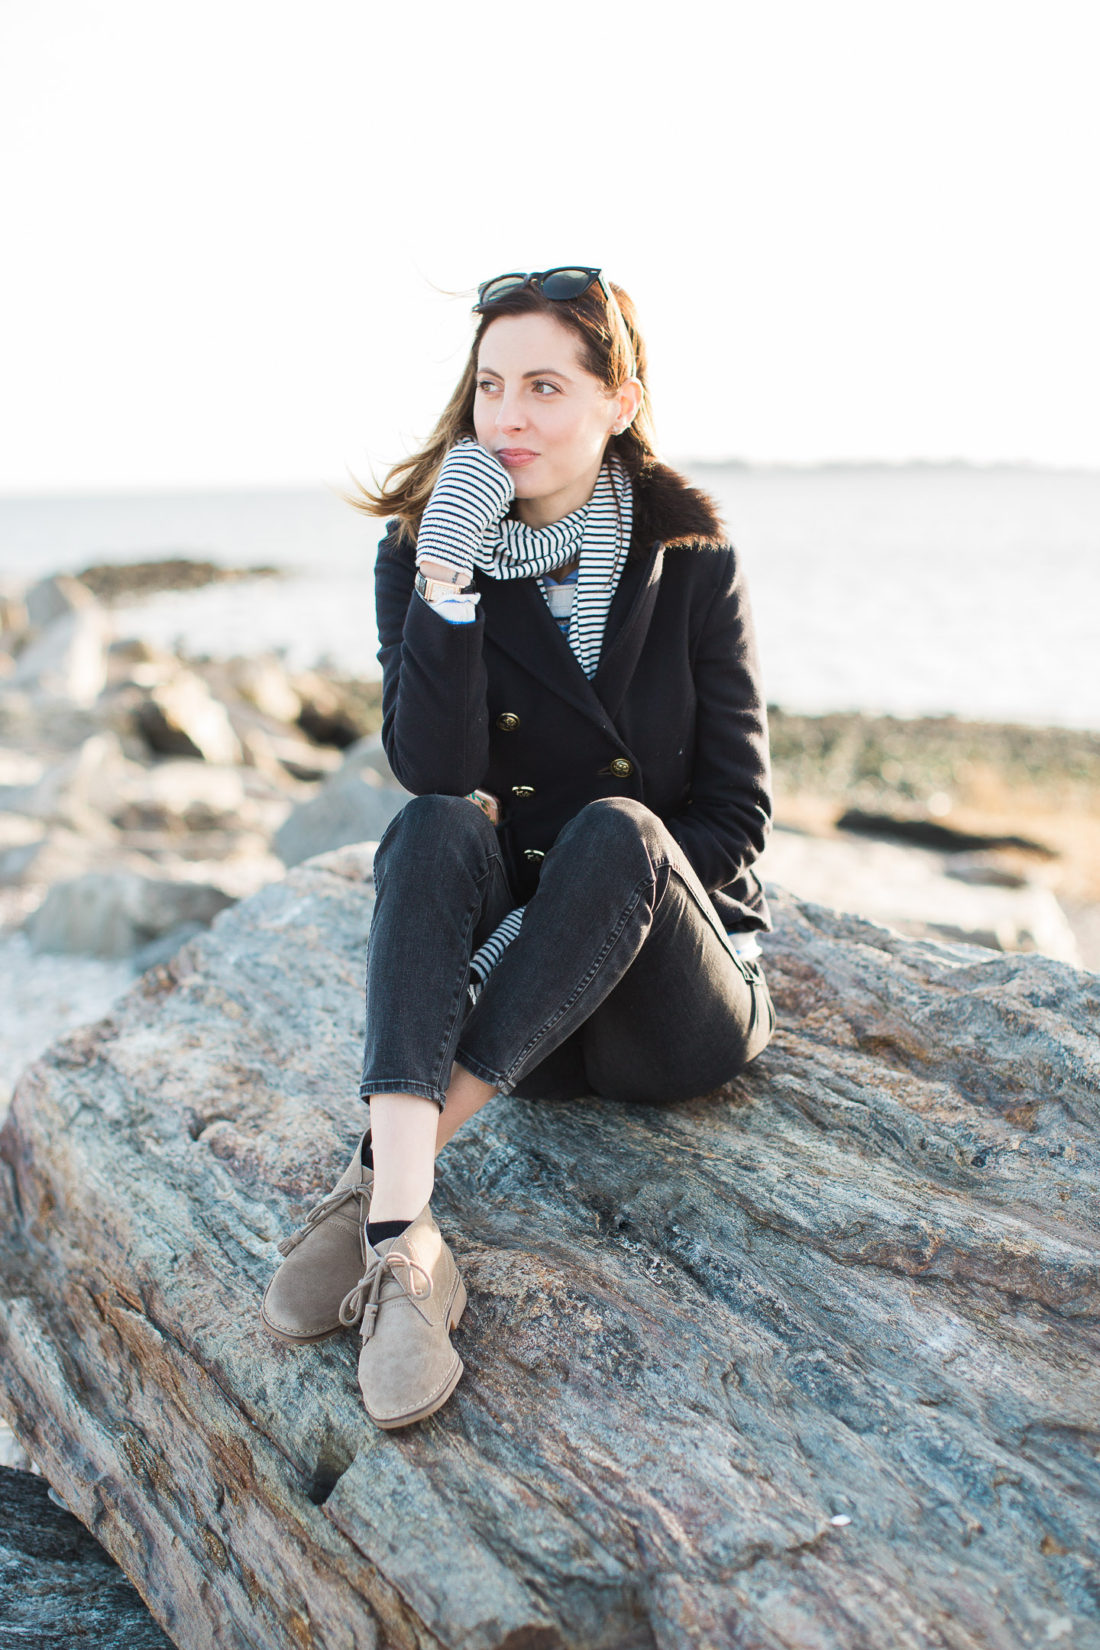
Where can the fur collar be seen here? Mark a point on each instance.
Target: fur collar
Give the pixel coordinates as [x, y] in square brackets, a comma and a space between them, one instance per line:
[668, 510]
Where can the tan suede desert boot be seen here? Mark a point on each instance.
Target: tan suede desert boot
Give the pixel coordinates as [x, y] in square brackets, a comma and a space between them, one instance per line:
[409, 1299]
[323, 1258]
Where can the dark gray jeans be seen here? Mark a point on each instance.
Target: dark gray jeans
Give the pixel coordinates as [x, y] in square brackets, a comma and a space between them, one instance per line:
[621, 982]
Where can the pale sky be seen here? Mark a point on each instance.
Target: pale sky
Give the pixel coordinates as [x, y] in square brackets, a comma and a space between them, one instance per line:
[860, 229]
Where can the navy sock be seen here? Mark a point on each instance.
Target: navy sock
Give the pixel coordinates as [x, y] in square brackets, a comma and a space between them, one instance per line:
[379, 1230]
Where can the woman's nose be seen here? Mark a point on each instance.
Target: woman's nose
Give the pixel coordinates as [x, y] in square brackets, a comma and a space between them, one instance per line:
[510, 412]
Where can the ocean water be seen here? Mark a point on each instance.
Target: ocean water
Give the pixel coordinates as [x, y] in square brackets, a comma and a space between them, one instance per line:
[912, 590]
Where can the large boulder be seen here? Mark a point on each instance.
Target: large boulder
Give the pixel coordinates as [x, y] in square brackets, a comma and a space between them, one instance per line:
[355, 804]
[13, 629]
[921, 892]
[67, 660]
[181, 797]
[54, 597]
[114, 913]
[19, 833]
[261, 680]
[181, 717]
[338, 711]
[277, 750]
[809, 1361]
[80, 789]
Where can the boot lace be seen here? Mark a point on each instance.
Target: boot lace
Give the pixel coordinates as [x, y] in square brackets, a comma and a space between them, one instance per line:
[362, 1301]
[328, 1206]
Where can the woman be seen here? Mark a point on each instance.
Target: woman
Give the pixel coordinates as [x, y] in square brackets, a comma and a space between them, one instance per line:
[567, 906]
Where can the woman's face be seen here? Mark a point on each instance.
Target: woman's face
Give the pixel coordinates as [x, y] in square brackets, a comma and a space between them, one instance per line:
[543, 415]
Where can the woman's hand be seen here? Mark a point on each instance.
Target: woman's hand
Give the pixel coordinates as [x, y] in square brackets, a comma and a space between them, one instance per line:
[472, 492]
[488, 803]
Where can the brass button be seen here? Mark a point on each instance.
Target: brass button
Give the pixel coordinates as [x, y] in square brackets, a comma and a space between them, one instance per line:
[508, 721]
[523, 791]
[533, 855]
[621, 768]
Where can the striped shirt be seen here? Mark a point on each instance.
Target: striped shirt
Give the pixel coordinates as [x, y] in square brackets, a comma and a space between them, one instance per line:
[560, 596]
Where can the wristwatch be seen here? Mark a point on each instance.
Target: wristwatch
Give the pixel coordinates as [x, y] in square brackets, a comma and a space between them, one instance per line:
[433, 590]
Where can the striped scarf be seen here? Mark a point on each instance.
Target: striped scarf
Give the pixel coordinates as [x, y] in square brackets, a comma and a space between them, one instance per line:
[599, 532]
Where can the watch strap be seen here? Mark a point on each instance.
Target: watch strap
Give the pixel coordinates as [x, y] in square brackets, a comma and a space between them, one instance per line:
[434, 590]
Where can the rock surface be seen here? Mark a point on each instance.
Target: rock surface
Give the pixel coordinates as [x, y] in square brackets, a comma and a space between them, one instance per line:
[55, 596]
[58, 1588]
[41, 997]
[811, 1361]
[115, 582]
[919, 892]
[84, 796]
[114, 913]
[354, 805]
[181, 717]
[68, 659]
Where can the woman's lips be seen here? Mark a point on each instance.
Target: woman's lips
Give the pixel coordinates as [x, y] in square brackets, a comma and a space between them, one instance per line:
[516, 457]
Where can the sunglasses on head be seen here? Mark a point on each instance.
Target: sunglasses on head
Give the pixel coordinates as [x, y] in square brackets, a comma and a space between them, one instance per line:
[552, 283]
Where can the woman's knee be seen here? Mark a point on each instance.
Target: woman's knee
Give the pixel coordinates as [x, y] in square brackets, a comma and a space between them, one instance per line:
[433, 827]
[615, 820]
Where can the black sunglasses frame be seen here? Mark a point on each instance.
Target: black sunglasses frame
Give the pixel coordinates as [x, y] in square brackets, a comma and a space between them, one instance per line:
[518, 280]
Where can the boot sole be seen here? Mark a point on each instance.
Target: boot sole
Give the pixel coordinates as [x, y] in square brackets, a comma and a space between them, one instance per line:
[458, 1306]
[301, 1340]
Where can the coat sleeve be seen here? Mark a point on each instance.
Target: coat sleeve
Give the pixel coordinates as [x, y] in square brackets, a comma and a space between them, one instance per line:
[435, 724]
[725, 825]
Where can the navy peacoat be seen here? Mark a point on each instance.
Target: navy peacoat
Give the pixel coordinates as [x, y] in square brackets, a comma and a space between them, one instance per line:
[674, 716]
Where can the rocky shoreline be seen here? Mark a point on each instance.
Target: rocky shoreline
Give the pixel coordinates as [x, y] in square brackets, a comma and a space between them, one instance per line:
[979, 831]
[141, 792]
[810, 1359]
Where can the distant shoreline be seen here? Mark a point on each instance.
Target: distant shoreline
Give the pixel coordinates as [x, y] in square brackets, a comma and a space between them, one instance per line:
[799, 467]
[913, 590]
[887, 466]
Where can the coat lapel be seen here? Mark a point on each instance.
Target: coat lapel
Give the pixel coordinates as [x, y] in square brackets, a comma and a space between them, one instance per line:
[627, 626]
[519, 622]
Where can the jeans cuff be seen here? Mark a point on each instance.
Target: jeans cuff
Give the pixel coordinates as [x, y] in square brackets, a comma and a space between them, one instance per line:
[484, 1075]
[401, 1085]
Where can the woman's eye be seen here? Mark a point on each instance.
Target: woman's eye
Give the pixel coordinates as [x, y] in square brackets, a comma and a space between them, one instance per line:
[541, 386]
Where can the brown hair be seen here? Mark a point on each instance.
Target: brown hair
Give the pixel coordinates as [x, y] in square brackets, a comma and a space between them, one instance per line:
[612, 350]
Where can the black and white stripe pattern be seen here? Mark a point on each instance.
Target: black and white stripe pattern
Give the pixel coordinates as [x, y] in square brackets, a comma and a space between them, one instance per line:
[599, 532]
[473, 484]
[486, 957]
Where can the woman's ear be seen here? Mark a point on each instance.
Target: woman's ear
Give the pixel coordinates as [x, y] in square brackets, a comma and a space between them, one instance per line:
[627, 399]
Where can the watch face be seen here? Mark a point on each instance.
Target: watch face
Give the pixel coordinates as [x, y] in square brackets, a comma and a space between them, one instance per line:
[434, 588]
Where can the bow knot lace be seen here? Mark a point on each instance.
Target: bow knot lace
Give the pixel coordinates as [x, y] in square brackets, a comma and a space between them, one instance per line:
[362, 1302]
[328, 1206]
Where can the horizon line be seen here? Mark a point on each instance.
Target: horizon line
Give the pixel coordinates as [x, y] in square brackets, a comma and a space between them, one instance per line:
[731, 462]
